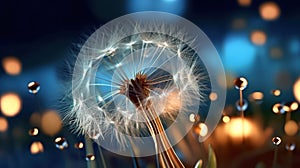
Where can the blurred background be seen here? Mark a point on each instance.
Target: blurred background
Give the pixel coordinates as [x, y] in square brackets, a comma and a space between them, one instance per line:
[256, 39]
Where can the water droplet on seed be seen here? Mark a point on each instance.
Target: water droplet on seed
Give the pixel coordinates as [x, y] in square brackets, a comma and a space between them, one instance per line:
[79, 145]
[241, 106]
[33, 132]
[290, 146]
[240, 83]
[61, 143]
[33, 87]
[276, 140]
[90, 157]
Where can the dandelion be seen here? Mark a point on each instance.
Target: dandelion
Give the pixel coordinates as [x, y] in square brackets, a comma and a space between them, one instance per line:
[137, 79]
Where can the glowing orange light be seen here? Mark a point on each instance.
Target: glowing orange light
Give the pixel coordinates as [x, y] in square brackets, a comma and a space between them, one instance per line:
[12, 65]
[294, 106]
[291, 128]
[238, 127]
[257, 95]
[213, 96]
[3, 124]
[226, 119]
[244, 2]
[258, 37]
[269, 11]
[10, 104]
[51, 122]
[36, 147]
[296, 90]
[276, 92]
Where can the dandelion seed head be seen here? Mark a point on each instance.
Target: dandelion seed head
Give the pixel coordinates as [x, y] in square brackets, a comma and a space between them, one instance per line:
[143, 60]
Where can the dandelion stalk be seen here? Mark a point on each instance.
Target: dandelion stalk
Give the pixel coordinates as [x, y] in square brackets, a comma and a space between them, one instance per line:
[137, 90]
[89, 150]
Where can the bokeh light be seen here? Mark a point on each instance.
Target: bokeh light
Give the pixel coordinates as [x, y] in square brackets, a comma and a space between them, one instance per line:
[276, 92]
[244, 2]
[213, 96]
[239, 53]
[12, 65]
[256, 96]
[269, 11]
[258, 37]
[226, 119]
[3, 124]
[296, 90]
[291, 128]
[51, 122]
[238, 127]
[36, 147]
[10, 104]
[200, 129]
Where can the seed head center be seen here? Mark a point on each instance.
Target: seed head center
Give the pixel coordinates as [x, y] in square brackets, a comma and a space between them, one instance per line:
[136, 90]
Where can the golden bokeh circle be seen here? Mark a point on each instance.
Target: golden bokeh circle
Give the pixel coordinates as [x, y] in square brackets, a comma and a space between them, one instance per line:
[11, 104]
[258, 37]
[51, 122]
[269, 11]
[12, 65]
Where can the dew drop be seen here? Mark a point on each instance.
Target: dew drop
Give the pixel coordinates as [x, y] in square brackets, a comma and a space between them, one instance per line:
[194, 117]
[290, 146]
[61, 143]
[241, 106]
[276, 140]
[226, 119]
[200, 129]
[79, 145]
[278, 108]
[276, 92]
[291, 106]
[240, 83]
[90, 157]
[33, 132]
[33, 87]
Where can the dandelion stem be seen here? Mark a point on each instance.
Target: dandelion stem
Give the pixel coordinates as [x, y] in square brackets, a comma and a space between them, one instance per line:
[89, 150]
[166, 154]
[102, 157]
